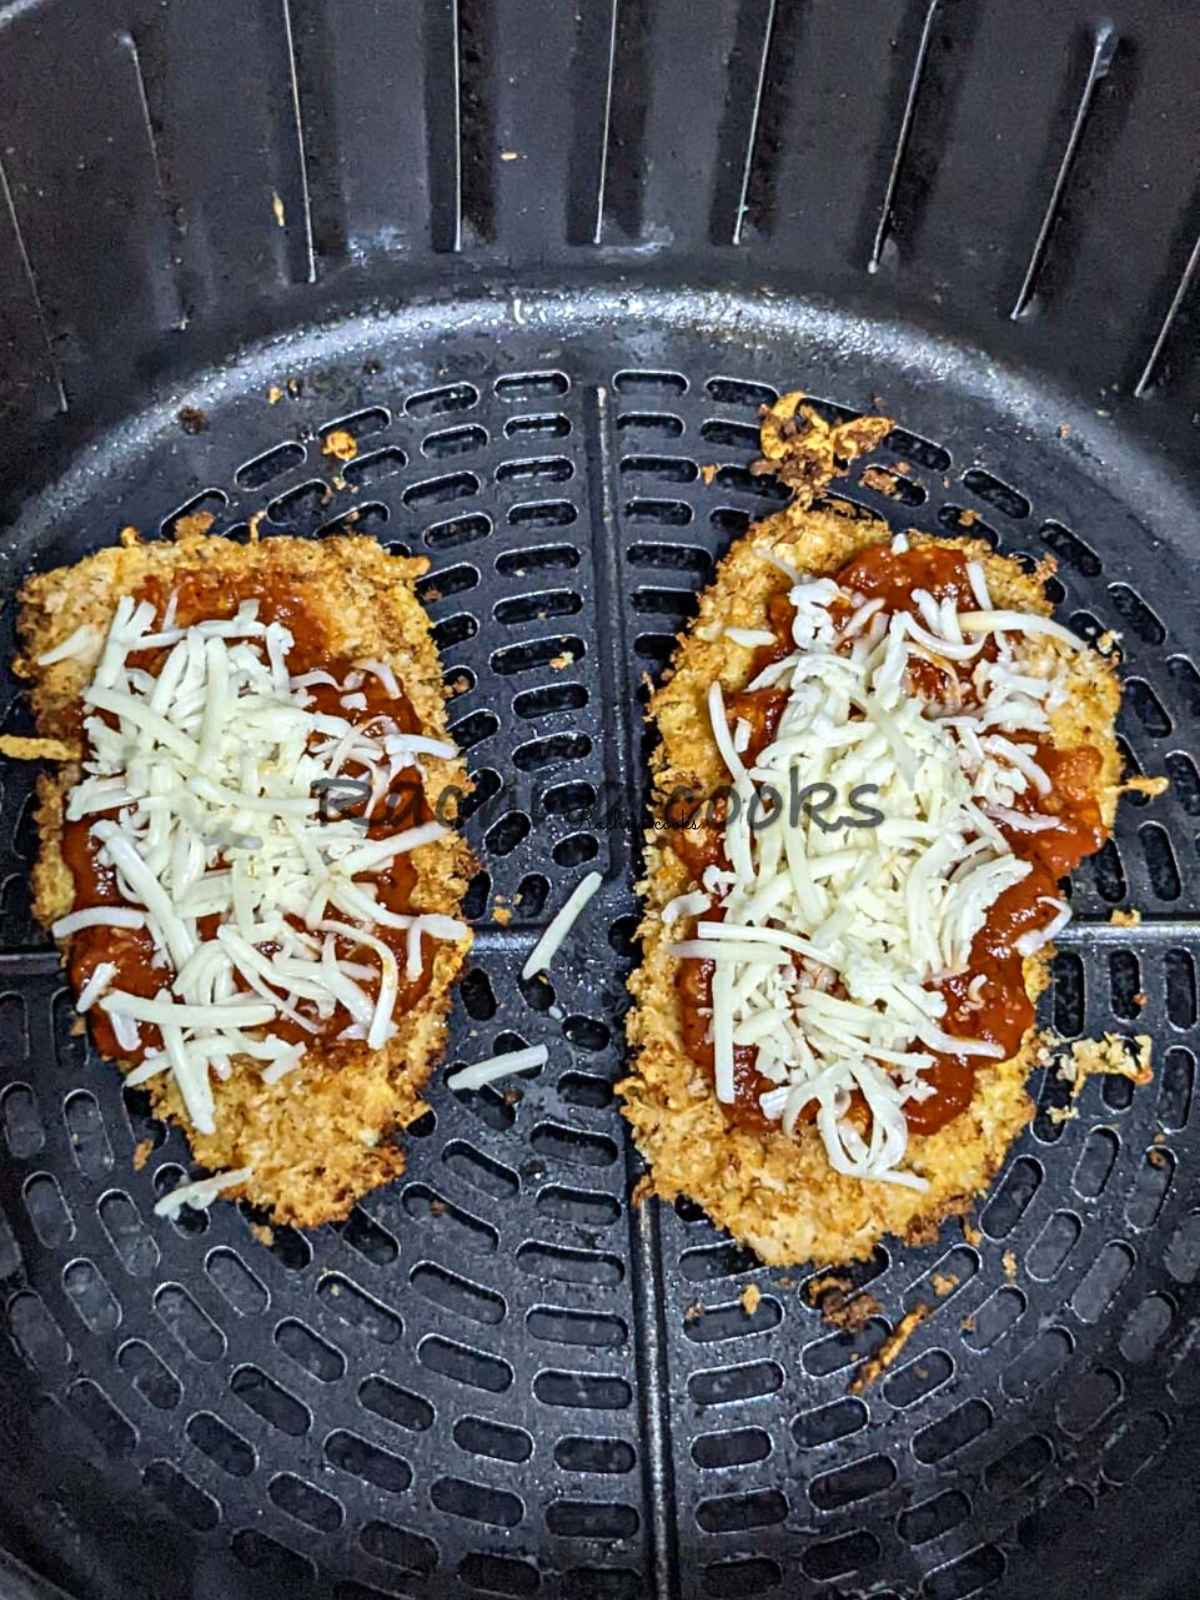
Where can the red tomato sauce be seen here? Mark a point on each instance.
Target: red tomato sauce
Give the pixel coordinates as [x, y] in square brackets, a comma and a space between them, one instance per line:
[203, 596]
[1002, 1012]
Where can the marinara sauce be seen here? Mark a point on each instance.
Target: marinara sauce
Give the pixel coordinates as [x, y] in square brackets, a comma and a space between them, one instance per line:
[205, 596]
[999, 1011]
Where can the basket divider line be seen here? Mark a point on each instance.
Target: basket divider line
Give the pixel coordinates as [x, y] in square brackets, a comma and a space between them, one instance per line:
[646, 1272]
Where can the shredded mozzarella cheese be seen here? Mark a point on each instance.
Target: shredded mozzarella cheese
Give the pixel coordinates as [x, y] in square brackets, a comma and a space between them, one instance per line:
[483, 1072]
[204, 782]
[560, 925]
[881, 913]
[200, 1194]
[79, 643]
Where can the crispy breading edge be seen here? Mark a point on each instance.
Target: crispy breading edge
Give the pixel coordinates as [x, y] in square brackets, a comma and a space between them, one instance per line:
[779, 1195]
[322, 1136]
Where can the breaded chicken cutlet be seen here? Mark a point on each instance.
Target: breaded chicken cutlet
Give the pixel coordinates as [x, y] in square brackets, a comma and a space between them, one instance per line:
[244, 862]
[877, 759]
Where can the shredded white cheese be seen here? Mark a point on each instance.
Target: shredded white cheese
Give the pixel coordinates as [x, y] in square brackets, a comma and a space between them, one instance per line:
[560, 925]
[84, 640]
[200, 1194]
[483, 1072]
[102, 976]
[206, 784]
[837, 925]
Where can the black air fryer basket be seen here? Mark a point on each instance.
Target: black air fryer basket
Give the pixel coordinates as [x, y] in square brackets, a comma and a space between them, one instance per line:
[545, 261]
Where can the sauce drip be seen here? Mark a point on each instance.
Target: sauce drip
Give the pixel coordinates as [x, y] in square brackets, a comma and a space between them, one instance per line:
[203, 596]
[1001, 1011]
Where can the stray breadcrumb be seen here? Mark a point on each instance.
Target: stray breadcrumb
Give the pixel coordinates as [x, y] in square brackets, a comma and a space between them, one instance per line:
[694, 1312]
[341, 444]
[889, 1349]
[264, 1234]
[277, 208]
[191, 419]
[501, 913]
[561, 662]
[1064, 430]
[1009, 1262]
[1060, 1114]
[129, 536]
[849, 1314]
[806, 452]
[968, 1324]
[1140, 999]
[968, 517]
[274, 395]
[839, 1305]
[1107, 1057]
[882, 481]
[1126, 919]
[750, 1297]
[141, 1153]
[1157, 1158]
[817, 1288]
[971, 1233]
[20, 748]
[708, 473]
[1147, 786]
[944, 1283]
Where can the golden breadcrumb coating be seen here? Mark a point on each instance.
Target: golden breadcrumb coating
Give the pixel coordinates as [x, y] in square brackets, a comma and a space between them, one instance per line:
[778, 1193]
[324, 1134]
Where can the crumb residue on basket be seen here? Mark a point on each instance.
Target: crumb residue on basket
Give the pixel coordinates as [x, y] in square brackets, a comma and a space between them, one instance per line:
[881, 480]
[1112, 1056]
[889, 1350]
[839, 1303]
[340, 444]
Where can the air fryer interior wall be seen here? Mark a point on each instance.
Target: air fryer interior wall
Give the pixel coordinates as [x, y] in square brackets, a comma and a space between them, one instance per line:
[546, 268]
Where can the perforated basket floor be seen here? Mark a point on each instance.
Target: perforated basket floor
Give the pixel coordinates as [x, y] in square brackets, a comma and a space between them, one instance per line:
[498, 1378]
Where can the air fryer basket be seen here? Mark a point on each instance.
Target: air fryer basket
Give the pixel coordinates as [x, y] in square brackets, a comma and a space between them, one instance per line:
[546, 263]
